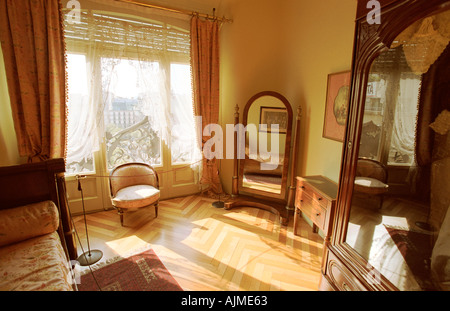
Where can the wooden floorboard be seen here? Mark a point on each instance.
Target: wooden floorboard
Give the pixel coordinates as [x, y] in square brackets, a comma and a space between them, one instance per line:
[211, 249]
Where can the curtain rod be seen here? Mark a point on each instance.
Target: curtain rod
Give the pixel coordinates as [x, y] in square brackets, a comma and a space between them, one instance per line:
[153, 6]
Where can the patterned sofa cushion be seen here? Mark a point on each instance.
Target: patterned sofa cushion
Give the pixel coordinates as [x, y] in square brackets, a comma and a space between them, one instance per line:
[36, 264]
[31, 254]
[28, 221]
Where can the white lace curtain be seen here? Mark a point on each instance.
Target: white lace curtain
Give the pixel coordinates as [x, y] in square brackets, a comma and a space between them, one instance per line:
[404, 128]
[126, 53]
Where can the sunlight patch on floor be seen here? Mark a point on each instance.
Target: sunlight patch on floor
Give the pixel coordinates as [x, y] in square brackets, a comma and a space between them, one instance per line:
[128, 246]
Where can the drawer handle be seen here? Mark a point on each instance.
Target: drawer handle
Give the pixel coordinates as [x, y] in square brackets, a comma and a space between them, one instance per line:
[317, 214]
[320, 199]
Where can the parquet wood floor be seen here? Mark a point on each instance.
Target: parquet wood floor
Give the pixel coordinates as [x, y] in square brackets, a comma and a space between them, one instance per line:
[211, 249]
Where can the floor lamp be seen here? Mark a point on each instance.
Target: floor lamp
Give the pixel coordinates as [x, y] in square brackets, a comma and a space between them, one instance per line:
[218, 204]
[91, 256]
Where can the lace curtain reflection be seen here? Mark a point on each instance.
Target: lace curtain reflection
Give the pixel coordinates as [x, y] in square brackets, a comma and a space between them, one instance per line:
[404, 127]
[424, 41]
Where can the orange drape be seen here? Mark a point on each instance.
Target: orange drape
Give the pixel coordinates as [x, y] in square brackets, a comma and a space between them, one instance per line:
[31, 36]
[205, 72]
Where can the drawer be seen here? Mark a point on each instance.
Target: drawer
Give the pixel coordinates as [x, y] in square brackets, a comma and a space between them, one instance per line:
[340, 276]
[315, 197]
[312, 209]
[303, 186]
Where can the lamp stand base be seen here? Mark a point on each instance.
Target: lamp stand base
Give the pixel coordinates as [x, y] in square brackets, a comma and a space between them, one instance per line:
[218, 204]
[90, 257]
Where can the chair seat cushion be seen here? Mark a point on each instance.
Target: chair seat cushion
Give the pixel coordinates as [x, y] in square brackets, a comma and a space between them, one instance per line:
[370, 185]
[136, 196]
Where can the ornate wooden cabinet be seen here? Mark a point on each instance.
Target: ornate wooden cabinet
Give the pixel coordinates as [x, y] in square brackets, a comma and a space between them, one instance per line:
[398, 116]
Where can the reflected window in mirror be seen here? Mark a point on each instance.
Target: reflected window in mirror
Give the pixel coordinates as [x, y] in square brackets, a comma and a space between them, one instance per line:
[388, 130]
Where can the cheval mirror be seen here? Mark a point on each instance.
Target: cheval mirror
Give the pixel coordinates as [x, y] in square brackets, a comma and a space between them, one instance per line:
[392, 225]
[262, 169]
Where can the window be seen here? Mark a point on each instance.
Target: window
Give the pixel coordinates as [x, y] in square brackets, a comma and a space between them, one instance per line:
[182, 143]
[79, 153]
[129, 97]
[388, 132]
[130, 90]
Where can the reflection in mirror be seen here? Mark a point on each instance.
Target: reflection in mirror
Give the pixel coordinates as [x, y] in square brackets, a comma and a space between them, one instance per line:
[401, 195]
[265, 144]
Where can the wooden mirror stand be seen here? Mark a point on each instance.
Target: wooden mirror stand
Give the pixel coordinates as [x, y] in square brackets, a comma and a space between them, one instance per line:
[279, 202]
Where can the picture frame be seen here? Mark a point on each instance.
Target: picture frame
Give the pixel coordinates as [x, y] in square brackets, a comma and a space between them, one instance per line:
[273, 115]
[336, 106]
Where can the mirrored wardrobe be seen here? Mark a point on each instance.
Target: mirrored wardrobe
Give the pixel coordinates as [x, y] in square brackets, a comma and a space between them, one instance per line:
[392, 224]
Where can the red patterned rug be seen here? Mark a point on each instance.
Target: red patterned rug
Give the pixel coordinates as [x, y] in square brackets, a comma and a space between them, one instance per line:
[141, 272]
[416, 249]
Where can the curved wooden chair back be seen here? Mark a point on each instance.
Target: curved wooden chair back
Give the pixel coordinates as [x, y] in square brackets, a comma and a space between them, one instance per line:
[131, 174]
[372, 169]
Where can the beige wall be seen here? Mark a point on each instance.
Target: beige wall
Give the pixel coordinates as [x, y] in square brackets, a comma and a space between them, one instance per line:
[288, 46]
[9, 154]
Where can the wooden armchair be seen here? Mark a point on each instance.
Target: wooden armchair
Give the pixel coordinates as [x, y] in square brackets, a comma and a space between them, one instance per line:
[133, 186]
[371, 179]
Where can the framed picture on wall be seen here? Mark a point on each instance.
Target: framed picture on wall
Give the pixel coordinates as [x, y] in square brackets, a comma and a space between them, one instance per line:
[336, 106]
[271, 115]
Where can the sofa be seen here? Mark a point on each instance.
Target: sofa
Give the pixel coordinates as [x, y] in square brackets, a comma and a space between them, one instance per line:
[35, 229]
[31, 253]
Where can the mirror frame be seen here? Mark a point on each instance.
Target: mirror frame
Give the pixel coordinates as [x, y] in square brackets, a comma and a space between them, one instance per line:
[284, 177]
[370, 42]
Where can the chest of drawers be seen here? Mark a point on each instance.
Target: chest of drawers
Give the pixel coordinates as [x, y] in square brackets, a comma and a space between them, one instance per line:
[315, 198]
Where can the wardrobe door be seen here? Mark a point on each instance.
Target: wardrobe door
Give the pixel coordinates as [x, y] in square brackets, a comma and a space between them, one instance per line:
[394, 189]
